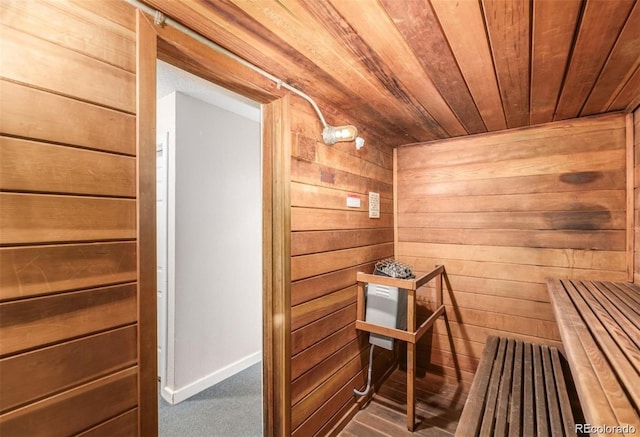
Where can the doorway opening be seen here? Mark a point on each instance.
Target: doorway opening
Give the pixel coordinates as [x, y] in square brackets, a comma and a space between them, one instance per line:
[209, 247]
[205, 60]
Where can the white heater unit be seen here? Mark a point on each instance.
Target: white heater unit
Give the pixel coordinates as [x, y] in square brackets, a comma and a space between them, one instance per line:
[386, 306]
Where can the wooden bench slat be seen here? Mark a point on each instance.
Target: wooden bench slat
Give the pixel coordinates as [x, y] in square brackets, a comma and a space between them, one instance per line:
[623, 303]
[604, 329]
[470, 419]
[563, 394]
[528, 425]
[587, 382]
[515, 409]
[542, 427]
[603, 398]
[555, 421]
[620, 312]
[502, 409]
[631, 290]
[492, 394]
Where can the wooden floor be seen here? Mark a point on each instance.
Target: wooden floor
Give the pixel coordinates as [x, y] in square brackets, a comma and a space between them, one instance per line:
[438, 407]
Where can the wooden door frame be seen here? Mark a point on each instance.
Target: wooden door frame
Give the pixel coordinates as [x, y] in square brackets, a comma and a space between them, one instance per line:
[191, 55]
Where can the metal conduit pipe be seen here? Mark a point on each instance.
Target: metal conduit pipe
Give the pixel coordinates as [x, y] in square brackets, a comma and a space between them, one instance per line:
[368, 387]
[161, 18]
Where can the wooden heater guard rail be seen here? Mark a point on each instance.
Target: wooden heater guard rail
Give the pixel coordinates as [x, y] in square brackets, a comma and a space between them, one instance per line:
[411, 335]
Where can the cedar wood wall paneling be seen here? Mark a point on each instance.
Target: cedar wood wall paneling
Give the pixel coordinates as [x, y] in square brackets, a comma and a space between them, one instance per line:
[329, 244]
[502, 212]
[68, 218]
[636, 223]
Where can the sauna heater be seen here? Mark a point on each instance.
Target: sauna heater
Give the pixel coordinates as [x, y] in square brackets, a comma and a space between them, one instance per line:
[387, 306]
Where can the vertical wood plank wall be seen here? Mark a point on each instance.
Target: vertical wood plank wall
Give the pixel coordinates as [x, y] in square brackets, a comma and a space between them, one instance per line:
[68, 299]
[502, 212]
[636, 197]
[329, 244]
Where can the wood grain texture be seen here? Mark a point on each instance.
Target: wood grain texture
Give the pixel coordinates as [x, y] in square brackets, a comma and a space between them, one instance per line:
[68, 181]
[180, 49]
[35, 270]
[147, 262]
[594, 133]
[414, 71]
[399, 72]
[418, 25]
[57, 64]
[39, 167]
[38, 115]
[313, 332]
[508, 30]
[35, 375]
[310, 380]
[276, 279]
[75, 410]
[599, 29]
[598, 371]
[636, 207]
[237, 31]
[629, 98]
[502, 236]
[123, 425]
[515, 387]
[32, 218]
[330, 243]
[630, 206]
[554, 26]
[331, 56]
[119, 13]
[41, 321]
[303, 243]
[463, 25]
[619, 68]
[88, 32]
[305, 266]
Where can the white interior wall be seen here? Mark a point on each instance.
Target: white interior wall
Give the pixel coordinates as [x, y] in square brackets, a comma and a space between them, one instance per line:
[215, 234]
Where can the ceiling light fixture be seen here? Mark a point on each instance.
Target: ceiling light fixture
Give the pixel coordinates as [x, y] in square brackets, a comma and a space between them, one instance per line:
[334, 134]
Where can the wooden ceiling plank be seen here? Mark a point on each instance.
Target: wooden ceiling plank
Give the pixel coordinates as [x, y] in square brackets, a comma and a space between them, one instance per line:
[599, 28]
[292, 23]
[229, 27]
[419, 27]
[629, 98]
[463, 26]
[554, 26]
[378, 51]
[508, 28]
[390, 45]
[620, 67]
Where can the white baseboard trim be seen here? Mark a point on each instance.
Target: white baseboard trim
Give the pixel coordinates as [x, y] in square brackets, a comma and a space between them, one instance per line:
[174, 396]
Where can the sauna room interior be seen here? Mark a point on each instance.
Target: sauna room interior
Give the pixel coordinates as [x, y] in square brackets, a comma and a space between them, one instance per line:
[493, 146]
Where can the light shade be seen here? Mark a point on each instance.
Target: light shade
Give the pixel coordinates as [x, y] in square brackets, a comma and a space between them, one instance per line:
[333, 134]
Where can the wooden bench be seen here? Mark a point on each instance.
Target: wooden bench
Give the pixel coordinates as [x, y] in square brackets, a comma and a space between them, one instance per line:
[599, 323]
[518, 390]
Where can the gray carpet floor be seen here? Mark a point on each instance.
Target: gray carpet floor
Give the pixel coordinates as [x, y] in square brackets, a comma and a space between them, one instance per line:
[231, 408]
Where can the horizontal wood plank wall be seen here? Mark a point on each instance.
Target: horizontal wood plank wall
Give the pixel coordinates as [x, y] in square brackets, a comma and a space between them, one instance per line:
[329, 244]
[636, 197]
[502, 212]
[68, 300]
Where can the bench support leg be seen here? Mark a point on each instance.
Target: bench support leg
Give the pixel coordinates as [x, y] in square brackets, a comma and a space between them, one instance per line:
[411, 362]
[411, 391]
